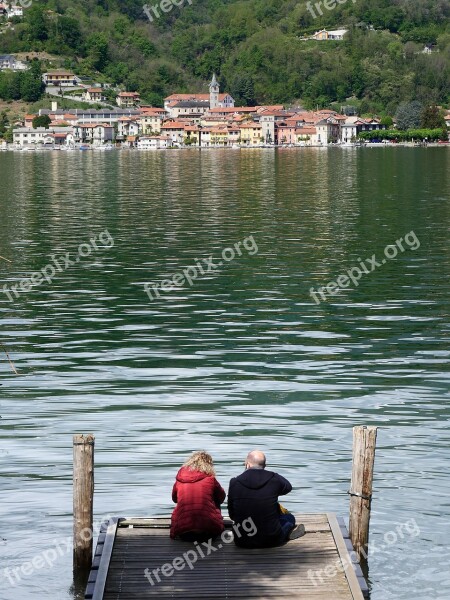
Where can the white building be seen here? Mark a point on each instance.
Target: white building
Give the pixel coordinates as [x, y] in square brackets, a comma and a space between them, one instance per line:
[153, 142]
[94, 133]
[324, 34]
[8, 61]
[59, 79]
[14, 11]
[55, 136]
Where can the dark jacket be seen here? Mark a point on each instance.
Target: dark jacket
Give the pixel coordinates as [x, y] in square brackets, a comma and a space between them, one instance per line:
[254, 494]
[198, 497]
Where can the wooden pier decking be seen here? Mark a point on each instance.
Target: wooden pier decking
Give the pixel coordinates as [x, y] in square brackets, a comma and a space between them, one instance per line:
[317, 566]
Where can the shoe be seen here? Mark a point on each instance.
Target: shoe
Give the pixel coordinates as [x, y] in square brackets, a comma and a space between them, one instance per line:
[298, 531]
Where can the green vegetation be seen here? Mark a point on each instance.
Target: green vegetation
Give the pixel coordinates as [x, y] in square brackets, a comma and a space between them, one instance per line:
[254, 46]
[430, 135]
[42, 121]
[22, 85]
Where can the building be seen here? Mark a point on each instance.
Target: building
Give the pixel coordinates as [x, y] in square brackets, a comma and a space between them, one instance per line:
[128, 99]
[153, 142]
[93, 94]
[14, 11]
[191, 109]
[151, 119]
[251, 133]
[127, 127]
[352, 126]
[9, 62]
[91, 115]
[59, 79]
[269, 120]
[214, 90]
[175, 130]
[213, 100]
[324, 34]
[55, 136]
[94, 133]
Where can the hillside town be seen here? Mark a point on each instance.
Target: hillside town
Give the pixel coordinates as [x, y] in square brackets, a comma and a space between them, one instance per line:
[208, 120]
[198, 120]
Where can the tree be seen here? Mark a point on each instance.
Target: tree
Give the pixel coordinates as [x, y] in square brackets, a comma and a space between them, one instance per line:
[3, 123]
[408, 115]
[37, 23]
[42, 121]
[432, 118]
[98, 51]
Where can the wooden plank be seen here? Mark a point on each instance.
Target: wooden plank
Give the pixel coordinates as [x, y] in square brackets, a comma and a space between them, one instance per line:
[103, 568]
[229, 573]
[345, 558]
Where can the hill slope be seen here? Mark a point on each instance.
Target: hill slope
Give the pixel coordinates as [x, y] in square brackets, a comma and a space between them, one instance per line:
[253, 45]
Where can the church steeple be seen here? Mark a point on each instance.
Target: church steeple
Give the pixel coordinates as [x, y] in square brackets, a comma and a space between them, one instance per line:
[214, 90]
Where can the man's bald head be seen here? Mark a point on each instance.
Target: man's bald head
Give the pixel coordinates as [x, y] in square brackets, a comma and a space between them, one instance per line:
[256, 460]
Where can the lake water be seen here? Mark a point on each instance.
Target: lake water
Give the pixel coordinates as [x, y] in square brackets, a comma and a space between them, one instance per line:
[244, 357]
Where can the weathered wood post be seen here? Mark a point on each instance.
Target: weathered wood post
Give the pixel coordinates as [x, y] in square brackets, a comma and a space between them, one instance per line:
[83, 500]
[364, 442]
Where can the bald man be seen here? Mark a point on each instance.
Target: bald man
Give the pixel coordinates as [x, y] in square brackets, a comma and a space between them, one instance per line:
[253, 496]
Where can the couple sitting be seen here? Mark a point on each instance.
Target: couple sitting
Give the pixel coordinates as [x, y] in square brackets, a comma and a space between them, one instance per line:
[252, 497]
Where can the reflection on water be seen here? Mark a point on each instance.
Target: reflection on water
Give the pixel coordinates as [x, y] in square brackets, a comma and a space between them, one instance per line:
[244, 358]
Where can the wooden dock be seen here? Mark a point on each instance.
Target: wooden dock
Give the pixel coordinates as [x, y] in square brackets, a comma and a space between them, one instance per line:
[318, 566]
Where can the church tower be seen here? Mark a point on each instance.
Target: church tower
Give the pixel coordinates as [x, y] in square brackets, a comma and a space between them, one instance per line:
[214, 90]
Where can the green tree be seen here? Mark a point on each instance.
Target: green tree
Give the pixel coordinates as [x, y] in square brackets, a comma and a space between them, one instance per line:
[98, 52]
[3, 123]
[42, 121]
[37, 23]
[432, 118]
[408, 115]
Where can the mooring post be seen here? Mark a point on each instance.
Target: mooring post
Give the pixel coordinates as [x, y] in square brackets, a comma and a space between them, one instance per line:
[364, 442]
[83, 500]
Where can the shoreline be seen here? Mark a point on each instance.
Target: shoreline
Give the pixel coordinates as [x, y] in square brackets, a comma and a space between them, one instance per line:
[198, 148]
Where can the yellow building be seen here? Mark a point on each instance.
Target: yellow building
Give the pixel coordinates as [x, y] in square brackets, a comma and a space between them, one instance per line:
[251, 133]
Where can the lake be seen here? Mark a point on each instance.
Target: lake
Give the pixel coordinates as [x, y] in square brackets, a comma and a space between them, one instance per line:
[244, 357]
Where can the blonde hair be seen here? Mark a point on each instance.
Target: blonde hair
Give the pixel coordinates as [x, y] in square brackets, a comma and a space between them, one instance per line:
[200, 461]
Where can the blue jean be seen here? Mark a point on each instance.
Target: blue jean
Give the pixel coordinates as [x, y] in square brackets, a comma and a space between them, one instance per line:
[287, 522]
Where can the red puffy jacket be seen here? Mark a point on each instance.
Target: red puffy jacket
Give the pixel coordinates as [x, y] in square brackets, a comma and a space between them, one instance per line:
[198, 497]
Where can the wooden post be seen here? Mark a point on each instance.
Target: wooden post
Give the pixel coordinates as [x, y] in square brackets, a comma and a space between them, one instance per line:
[364, 442]
[83, 500]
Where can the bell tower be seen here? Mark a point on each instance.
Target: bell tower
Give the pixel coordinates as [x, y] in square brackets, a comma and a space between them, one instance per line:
[214, 90]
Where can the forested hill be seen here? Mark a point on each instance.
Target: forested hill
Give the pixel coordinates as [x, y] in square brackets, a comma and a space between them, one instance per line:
[254, 46]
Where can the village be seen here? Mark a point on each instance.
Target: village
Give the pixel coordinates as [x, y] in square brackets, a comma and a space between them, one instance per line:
[208, 120]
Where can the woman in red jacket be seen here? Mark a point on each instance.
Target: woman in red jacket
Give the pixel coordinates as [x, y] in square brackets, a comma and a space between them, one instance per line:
[198, 495]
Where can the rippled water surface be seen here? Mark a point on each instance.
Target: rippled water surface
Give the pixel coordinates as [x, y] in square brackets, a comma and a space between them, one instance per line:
[244, 358]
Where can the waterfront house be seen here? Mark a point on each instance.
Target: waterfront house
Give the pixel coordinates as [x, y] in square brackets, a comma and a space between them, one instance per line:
[269, 119]
[94, 133]
[306, 136]
[127, 126]
[352, 126]
[59, 79]
[175, 130]
[29, 136]
[251, 133]
[128, 99]
[153, 142]
[151, 119]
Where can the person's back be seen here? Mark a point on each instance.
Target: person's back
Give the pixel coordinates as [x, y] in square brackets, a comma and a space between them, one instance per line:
[254, 495]
[198, 495]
